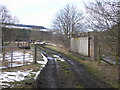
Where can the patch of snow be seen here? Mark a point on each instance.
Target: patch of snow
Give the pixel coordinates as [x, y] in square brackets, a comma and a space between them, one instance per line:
[37, 42]
[49, 58]
[2, 67]
[61, 59]
[52, 44]
[14, 76]
[0, 55]
[4, 85]
[33, 72]
[58, 58]
[37, 74]
[43, 63]
[42, 66]
[44, 60]
[16, 65]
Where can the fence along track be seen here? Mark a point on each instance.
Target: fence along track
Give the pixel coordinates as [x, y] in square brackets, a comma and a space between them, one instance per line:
[101, 46]
[13, 56]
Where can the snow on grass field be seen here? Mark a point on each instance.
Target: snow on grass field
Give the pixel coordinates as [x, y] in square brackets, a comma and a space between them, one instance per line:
[15, 76]
[19, 58]
[19, 74]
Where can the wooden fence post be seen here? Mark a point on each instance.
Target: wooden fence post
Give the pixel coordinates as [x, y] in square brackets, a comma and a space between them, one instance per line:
[23, 56]
[117, 61]
[35, 54]
[99, 56]
[11, 56]
[3, 52]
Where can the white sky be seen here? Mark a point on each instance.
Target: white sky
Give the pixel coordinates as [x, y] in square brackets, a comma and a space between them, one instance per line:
[38, 12]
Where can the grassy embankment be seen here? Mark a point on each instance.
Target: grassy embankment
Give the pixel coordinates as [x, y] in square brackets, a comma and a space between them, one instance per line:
[104, 71]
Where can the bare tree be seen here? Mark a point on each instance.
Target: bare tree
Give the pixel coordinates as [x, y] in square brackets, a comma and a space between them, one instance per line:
[6, 18]
[68, 20]
[102, 15]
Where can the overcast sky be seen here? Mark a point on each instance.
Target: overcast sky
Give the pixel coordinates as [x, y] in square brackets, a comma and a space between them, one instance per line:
[38, 12]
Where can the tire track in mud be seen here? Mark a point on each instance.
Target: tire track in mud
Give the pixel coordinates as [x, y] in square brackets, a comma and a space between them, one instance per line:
[52, 77]
[47, 77]
[85, 78]
[56, 74]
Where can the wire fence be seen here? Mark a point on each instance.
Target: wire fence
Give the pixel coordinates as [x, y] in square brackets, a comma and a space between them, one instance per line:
[14, 56]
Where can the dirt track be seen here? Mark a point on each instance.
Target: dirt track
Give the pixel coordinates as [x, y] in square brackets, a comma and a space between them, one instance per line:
[67, 74]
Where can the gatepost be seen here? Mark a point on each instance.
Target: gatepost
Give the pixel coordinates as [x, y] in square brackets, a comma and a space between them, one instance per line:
[33, 48]
[0, 48]
[94, 47]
